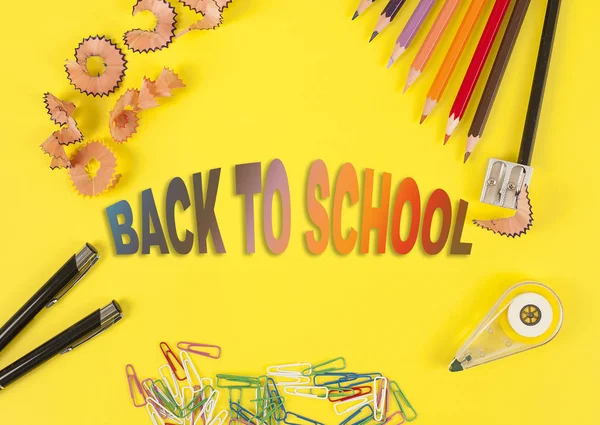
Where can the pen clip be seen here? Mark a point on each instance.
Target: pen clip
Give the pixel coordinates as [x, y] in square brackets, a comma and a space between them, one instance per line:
[84, 261]
[114, 314]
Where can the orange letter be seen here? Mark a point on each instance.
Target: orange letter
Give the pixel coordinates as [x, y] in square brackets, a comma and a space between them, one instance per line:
[375, 218]
[408, 191]
[317, 177]
[438, 199]
[347, 182]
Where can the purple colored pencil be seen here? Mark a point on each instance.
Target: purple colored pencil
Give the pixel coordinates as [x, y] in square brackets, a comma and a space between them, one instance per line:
[414, 24]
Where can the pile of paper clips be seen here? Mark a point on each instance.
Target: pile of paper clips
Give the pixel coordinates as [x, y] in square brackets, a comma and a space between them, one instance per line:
[181, 396]
[361, 398]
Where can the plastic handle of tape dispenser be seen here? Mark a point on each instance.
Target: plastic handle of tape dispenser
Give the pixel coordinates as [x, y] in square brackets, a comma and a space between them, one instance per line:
[528, 315]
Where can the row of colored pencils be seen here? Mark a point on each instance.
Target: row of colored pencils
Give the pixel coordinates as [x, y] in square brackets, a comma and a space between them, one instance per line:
[461, 38]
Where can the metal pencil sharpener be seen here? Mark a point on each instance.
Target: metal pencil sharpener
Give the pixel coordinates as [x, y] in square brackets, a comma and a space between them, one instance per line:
[503, 182]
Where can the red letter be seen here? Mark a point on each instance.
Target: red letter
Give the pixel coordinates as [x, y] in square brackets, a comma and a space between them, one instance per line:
[438, 199]
[408, 191]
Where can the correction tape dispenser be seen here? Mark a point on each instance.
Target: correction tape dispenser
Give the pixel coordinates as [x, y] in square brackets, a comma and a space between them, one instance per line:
[528, 315]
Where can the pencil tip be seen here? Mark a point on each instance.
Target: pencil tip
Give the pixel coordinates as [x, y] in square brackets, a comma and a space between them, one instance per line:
[375, 34]
[423, 117]
[455, 366]
[390, 62]
[355, 15]
[467, 155]
[446, 137]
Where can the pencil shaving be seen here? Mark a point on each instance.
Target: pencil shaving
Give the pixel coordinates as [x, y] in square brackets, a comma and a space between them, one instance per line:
[516, 225]
[90, 180]
[163, 33]
[56, 163]
[69, 134]
[123, 119]
[53, 148]
[211, 12]
[114, 67]
[58, 110]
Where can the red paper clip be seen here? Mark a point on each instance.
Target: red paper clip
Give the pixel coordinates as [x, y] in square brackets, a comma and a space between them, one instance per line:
[189, 347]
[354, 392]
[170, 356]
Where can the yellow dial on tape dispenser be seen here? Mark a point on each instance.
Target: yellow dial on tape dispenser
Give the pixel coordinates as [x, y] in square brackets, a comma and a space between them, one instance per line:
[528, 315]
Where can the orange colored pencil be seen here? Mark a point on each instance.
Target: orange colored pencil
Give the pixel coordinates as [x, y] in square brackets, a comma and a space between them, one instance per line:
[452, 57]
[431, 41]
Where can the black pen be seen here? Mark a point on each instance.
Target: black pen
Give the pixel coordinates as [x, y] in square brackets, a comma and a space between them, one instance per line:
[82, 331]
[56, 287]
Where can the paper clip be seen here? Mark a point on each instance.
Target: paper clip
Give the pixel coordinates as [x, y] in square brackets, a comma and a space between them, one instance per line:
[151, 398]
[236, 381]
[380, 391]
[164, 397]
[347, 406]
[246, 414]
[288, 369]
[219, 418]
[172, 359]
[395, 418]
[321, 367]
[272, 391]
[154, 416]
[360, 416]
[344, 379]
[401, 399]
[190, 370]
[343, 394]
[134, 385]
[172, 386]
[285, 380]
[308, 392]
[186, 399]
[211, 405]
[189, 347]
[295, 419]
[199, 400]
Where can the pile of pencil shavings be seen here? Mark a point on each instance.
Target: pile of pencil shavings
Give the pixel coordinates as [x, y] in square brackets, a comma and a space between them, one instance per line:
[93, 167]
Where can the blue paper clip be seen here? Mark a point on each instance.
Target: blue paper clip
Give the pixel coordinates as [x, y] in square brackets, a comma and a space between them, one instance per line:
[299, 420]
[360, 416]
[245, 414]
[273, 392]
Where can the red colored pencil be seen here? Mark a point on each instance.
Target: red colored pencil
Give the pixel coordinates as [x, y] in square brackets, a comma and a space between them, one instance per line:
[476, 66]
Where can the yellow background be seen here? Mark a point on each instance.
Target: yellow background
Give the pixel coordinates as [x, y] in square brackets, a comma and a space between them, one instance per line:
[299, 81]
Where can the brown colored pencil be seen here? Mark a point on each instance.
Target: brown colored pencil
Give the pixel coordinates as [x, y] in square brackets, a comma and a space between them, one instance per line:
[495, 78]
[387, 16]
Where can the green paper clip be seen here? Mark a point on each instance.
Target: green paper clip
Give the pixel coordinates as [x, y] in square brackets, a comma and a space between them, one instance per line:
[237, 381]
[197, 402]
[403, 402]
[164, 396]
[320, 368]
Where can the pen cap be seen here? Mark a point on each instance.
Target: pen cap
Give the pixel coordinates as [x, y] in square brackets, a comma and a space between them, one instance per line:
[111, 313]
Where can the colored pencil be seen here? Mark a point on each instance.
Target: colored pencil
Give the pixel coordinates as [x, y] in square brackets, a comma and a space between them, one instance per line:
[478, 61]
[387, 16]
[539, 82]
[496, 74]
[431, 41]
[456, 48]
[414, 24]
[362, 6]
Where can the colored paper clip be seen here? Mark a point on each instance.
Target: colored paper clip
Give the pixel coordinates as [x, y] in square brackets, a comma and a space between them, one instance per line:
[208, 404]
[347, 406]
[269, 406]
[403, 402]
[361, 416]
[154, 416]
[150, 398]
[211, 406]
[245, 414]
[339, 363]
[308, 392]
[190, 371]
[135, 385]
[285, 380]
[164, 397]
[169, 381]
[186, 397]
[344, 379]
[190, 348]
[173, 361]
[395, 418]
[272, 391]
[237, 381]
[219, 418]
[343, 394]
[288, 369]
[295, 419]
[200, 400]
[380, 391]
